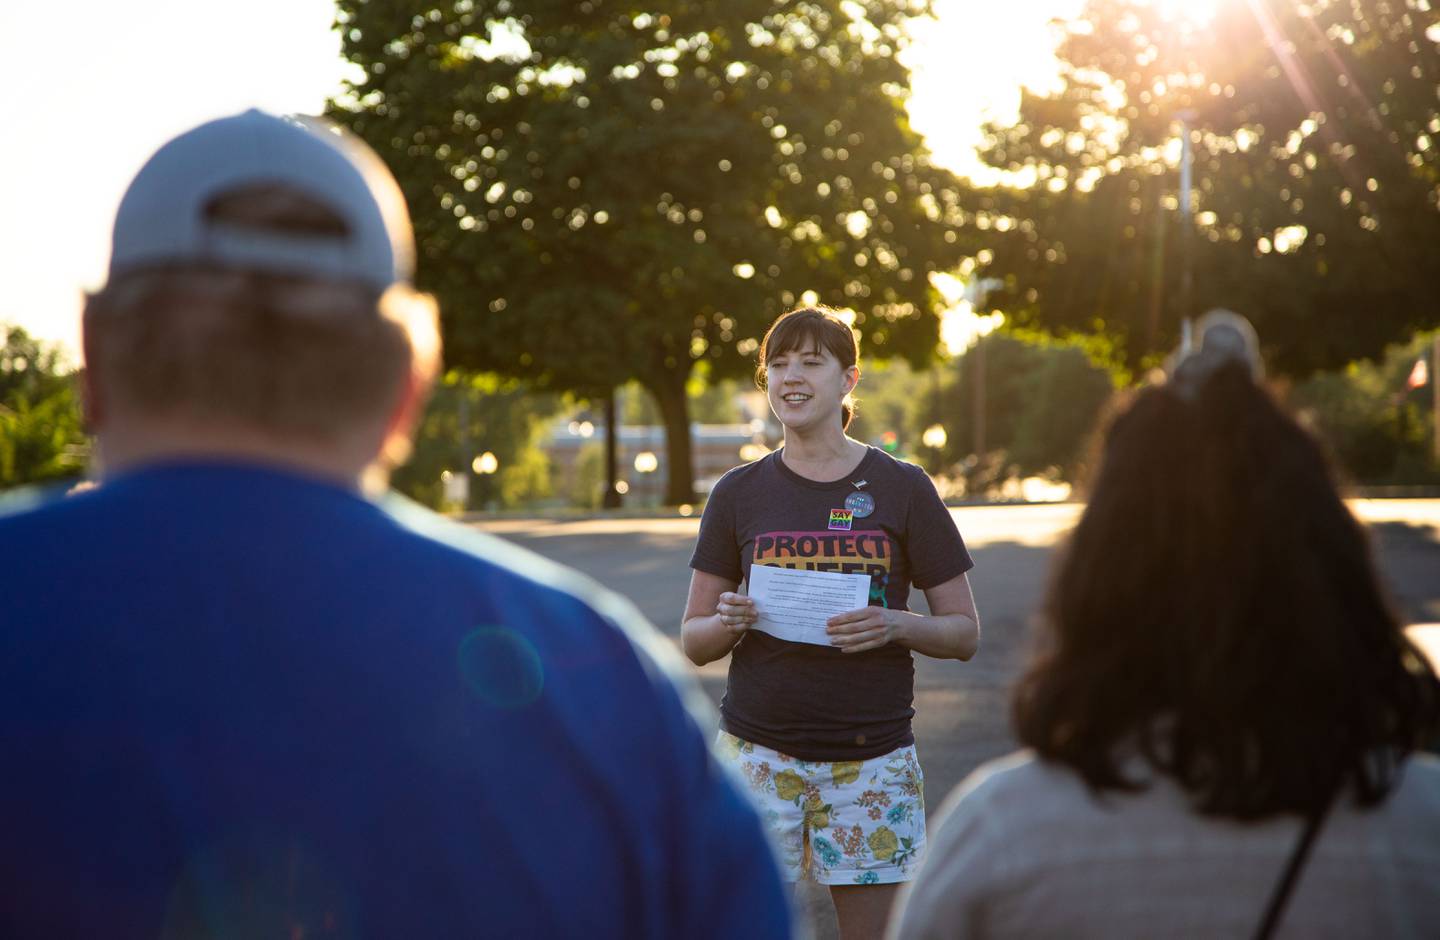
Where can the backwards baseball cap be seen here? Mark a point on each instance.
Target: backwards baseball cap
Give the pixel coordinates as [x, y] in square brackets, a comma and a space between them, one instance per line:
[164, 215]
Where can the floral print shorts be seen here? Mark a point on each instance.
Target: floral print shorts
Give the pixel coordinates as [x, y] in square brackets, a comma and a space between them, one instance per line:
[836, 822]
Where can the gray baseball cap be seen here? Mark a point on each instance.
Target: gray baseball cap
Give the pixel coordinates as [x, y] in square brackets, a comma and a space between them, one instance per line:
[163, 215]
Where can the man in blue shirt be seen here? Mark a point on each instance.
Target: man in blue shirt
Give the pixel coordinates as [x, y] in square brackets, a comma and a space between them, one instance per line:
[241, 697]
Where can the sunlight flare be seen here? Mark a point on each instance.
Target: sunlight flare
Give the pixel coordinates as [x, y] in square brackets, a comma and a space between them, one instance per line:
[1195, 12]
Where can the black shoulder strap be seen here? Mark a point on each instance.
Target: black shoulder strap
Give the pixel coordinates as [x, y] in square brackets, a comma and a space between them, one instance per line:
[1291, 875]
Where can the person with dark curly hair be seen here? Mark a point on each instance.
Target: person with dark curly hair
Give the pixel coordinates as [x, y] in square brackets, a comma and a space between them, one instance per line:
[1224, 723]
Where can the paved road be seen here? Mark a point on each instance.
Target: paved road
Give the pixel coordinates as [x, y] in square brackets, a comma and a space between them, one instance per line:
[961, 708]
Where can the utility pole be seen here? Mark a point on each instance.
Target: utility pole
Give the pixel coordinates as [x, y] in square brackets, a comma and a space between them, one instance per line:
[1435, 395]
[1187, 229]
[978, 397]
[1157, 269]
[976, 292]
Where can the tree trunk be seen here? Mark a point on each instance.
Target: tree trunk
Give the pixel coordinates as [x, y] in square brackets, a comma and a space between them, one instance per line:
[611, 499]
[669, 394]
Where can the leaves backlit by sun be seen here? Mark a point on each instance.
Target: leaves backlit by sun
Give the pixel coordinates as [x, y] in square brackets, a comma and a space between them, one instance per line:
[971, 61]
[1195, 12]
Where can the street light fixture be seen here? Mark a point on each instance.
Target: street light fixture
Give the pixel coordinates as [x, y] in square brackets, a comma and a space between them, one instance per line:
[455, 489]
[646, 463]
[485, 466]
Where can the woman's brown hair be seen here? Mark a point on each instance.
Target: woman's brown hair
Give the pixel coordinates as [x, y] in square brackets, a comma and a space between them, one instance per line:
[1217, 616]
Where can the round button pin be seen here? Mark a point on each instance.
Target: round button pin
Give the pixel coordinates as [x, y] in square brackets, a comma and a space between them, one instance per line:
[861, 504]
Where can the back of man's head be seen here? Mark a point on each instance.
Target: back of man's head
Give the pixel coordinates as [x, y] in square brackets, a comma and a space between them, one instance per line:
[259, 290]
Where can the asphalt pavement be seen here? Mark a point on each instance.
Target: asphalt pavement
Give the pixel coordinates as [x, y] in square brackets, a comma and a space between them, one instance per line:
[961, 708]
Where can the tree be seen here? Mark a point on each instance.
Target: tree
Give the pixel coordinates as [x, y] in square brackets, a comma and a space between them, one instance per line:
[1316, 211]
[606, 191]
[1064, 395]
[468, 416]
[1375, 423]
[885, 397]
[41, 434]
[1042, 403]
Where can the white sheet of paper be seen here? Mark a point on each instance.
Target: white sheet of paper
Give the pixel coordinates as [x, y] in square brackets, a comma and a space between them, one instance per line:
[794, 604]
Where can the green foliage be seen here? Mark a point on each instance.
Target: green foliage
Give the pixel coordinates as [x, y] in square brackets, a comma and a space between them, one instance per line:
[1005, 363]
[886, 396]
[469, 415]
[715, 400]
[1378, 431]
[605, 192]
[710, 402]
[41, 432]
[636, 407]
[526, 479]
[588, 487]
[1063, 396]
[1316, 209]
[1041, 406]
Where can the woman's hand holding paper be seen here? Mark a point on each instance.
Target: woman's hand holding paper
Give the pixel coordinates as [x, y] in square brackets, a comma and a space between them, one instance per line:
[867, 628]
[737, 612]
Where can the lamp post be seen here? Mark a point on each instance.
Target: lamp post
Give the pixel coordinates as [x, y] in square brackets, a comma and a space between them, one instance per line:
[462, 441]
[646, 463]
[455, 490]
[485, 466]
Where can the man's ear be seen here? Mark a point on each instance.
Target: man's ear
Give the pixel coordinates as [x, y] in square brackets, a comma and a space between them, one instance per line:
[409, 406]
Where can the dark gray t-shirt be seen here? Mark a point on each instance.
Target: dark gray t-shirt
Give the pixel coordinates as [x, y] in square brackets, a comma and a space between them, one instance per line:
[884, 519]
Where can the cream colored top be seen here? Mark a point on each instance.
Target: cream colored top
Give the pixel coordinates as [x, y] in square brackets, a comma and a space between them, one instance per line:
[1022, 849]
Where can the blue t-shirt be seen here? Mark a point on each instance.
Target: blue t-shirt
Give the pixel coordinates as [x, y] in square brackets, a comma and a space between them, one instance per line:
[883, 519]
[238, 702]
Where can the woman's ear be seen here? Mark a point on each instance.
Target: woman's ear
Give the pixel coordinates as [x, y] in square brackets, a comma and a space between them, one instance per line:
[852, 379]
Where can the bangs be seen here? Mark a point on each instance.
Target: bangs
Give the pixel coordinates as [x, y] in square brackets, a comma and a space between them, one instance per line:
[797, 334]
[811, 328]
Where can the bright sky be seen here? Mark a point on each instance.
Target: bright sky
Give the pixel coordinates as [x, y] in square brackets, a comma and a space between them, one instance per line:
[83, 115]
